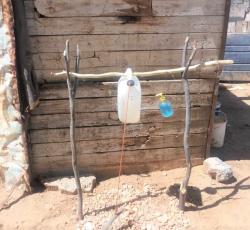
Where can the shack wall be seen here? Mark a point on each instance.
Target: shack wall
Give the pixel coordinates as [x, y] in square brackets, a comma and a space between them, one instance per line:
[144, 35]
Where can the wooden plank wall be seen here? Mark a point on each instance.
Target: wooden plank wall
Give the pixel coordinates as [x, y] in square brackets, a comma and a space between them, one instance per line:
[152, 142]
[142, 34]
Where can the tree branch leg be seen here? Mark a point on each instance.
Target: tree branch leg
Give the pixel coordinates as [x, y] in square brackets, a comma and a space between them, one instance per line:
[184, 184]
[71, 89]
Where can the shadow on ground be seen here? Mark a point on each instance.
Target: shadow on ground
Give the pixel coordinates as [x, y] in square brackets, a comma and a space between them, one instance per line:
[194, 194]
[235, 99]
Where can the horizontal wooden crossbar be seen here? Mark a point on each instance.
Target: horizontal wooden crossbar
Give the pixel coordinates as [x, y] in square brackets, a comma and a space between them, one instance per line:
[209, 66]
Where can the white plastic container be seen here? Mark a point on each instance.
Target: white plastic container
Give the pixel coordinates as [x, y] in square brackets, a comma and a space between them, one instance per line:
[129, 106]
[219, 130]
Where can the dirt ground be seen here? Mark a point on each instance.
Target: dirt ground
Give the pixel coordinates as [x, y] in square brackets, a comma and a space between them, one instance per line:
[149, 201]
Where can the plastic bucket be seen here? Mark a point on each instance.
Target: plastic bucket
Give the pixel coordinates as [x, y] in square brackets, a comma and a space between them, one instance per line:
[219, 130]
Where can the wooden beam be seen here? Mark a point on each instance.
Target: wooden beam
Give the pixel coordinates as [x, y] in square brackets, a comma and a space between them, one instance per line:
[112, 158]
[123, 42]
[107, 132]
[93, 8]
[106, 171]
[123, 58]
[109, 104]
[114, 145]
[211, 120]
[121, 25]
[109, 89]
[188, 7]
[78, 8]
[53, 121]
[225, 27]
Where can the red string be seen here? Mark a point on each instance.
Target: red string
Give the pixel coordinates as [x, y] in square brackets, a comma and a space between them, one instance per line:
[122, 151]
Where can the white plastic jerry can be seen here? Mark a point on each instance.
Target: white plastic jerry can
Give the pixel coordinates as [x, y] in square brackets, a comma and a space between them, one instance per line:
[129, 98]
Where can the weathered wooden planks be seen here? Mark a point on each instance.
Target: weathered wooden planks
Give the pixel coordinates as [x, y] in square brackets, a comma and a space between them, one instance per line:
[109, 89]
[103, 172]
[78, 8]
[164, 159]
[188, 7]
[109, 104]
[123, 58]
[110, 118]
[121, 25]
[113, 158]
[106, 132]
[145, 35]
[119, 42]
[112, 145]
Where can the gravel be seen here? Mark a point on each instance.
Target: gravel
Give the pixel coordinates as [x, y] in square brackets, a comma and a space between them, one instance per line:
[147, 208]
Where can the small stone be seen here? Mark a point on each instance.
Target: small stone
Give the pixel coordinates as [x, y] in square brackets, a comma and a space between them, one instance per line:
[217, 169]
[67, 185]
[164, 173]
[89, 226]
[88, 183]
[151, 226]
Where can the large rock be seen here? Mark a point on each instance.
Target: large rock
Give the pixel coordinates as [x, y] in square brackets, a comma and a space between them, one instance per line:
[218, 169]
[67, 185]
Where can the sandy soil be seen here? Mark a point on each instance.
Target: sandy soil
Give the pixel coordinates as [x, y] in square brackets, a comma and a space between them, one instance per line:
[149, 200]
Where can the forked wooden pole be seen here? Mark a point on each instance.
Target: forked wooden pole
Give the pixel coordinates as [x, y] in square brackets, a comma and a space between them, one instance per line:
[72, 84]
[184, 184]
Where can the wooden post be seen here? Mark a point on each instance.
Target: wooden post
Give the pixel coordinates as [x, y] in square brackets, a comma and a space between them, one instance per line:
[72, 90]
[184, 184]
[211, 119]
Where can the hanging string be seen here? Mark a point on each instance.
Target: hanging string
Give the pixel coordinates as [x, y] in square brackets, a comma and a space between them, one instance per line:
[122, 152]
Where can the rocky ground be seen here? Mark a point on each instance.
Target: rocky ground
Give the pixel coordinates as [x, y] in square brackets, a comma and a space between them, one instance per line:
[148, 202]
